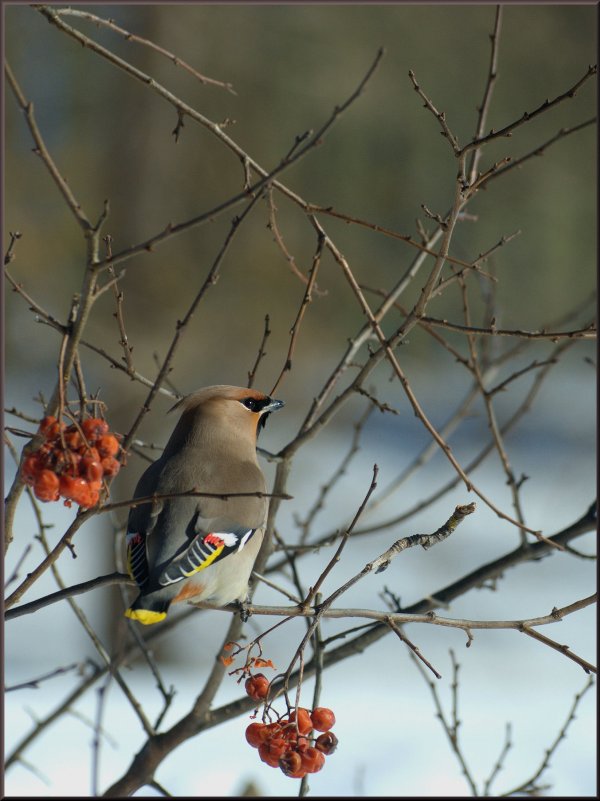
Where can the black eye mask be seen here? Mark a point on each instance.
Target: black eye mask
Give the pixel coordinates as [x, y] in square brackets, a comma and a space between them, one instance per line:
[258, 404]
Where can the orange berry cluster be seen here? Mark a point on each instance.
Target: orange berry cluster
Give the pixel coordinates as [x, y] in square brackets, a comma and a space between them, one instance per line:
[286, 744]
[72, 461]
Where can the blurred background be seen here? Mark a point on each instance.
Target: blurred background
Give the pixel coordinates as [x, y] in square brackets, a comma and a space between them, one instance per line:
[289, 66]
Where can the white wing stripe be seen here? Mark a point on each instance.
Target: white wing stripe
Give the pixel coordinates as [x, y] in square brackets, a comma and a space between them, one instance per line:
[245, 539]
[228, 538]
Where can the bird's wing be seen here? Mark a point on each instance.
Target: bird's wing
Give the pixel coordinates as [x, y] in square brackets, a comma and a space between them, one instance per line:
[137, 558]
[211, 544]
[142, 520]
[171, 539]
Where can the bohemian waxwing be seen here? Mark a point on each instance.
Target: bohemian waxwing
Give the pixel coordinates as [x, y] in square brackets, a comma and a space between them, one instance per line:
[198, 547]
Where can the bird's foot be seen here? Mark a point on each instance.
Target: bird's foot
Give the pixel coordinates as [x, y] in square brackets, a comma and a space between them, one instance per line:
[243, 610]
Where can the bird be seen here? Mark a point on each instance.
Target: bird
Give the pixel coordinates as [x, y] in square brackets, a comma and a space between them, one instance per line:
[201, 547]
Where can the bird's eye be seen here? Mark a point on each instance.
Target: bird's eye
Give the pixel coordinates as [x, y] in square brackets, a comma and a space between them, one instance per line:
[252, 404]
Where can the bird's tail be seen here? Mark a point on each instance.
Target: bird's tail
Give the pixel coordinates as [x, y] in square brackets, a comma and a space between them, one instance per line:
[148, 610]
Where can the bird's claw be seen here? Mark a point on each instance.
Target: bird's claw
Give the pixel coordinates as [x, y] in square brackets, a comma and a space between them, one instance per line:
[243, 610]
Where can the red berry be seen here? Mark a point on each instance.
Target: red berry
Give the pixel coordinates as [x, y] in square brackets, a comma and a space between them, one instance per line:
[46, 486]
[46, 424]
[51, 428]
[91, 469]
[257, 686]
[304, 721]
[291, 765]
[73, 439]
[273, 730]
[265, 755]
[290, 762]
[93, 428]
[76, 489]
[312, 760]
[322, 718]
[110, 466]
[326, 742]
[79, 490]
[31, 468]
[46, 452]
[65, 461]
[108, 445]
[91, 499]
[277, 747]
[90, 453]
[256, 734]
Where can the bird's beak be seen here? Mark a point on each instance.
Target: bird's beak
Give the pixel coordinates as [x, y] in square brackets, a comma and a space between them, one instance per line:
[272, 406]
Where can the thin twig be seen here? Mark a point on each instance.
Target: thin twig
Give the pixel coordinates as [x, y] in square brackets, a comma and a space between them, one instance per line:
[307, 298]
[132, 37]
[507, 130]
[587, 332]
[182, 324]
[278, 238]
[541, 149]
[507, 745]
[124, 340]
[487, 94]
[73, 590]
[10, 254]
[529, 786]
[261, 352]
[100, 706]
[34, 305]
[416, 651]
[216, 129]
[476, 370]
[447, 726]
[386, 347]
[326, 488]
[33, 684]
[41, 151]
[337, 555]
[563, 649]
[440, 115]
[192, 493]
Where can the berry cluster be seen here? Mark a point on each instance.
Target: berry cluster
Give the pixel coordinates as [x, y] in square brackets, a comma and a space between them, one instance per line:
[72, 461]
[286, 744]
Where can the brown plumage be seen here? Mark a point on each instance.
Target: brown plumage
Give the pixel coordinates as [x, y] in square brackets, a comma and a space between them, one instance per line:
[201, 547]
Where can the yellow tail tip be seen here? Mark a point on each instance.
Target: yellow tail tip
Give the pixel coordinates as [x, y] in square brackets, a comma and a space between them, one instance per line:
[145, 616]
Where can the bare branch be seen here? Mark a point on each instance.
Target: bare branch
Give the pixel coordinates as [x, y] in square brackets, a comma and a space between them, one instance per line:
[587, 332]
[487, 94]
[41, 151]
[563, 649]
[440, 115]
[261, 352]
[529, 786]
[132, 37]
[417, 653]
[35, 683]
[295, 329]
[529, 115]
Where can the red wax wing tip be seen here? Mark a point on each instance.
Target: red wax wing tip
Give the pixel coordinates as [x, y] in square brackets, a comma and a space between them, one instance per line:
[213, 539]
